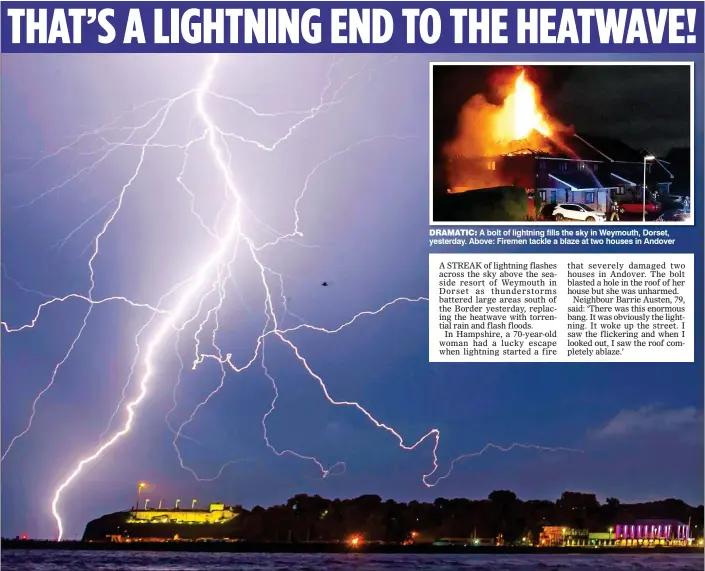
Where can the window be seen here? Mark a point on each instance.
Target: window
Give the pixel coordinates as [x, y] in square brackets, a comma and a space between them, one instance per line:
[542, 165]
[563, 166]
[491, 165]
[581, 166]
[594, 166]
[619, 190]
[590, 197]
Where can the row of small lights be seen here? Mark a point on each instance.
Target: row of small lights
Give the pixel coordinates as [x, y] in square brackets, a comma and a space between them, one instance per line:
[356, 540]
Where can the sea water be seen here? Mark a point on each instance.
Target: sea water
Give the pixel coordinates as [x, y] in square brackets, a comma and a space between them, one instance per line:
[41, 560]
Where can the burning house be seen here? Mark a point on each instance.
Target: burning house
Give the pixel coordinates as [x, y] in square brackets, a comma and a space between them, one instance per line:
[518, 144]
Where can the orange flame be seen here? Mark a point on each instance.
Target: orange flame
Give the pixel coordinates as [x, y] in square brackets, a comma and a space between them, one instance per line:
[517, 125]
[520, 115]
[519, 122]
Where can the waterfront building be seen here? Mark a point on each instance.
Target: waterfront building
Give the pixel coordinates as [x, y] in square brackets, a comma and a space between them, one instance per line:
[653, 532]
[216, 513]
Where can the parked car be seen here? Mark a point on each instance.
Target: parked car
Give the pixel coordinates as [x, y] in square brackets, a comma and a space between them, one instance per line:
[575, 211]
[638, 208]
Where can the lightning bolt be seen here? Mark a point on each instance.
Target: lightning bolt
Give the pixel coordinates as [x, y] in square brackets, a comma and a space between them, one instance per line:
[200, 298]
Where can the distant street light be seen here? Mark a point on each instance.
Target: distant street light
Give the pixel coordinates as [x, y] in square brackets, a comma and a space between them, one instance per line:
[176, 505]
[140, 486]
[146, 503]
[643, 197]
[193, 504]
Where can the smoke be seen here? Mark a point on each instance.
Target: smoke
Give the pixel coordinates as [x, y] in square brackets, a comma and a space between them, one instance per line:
[475, 133]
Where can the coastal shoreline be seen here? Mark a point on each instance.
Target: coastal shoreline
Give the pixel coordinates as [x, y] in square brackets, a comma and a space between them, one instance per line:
[332, 548]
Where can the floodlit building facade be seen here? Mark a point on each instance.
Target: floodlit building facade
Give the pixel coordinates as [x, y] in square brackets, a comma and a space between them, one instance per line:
[216, 513]
[653, 532]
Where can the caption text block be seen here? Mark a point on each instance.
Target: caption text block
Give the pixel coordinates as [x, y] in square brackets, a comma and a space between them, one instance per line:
[561, 307]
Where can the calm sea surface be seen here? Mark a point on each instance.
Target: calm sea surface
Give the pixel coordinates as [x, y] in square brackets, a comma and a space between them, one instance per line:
[18, 560]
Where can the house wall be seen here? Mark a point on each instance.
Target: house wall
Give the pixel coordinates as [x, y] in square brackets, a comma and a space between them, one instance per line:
[598, 199]
[626, 193]
[520, 170]
[488, 172]
[536, 174]
[631, 194]
[556, 167]
[589, 197]
[472, 173]
[553, 195]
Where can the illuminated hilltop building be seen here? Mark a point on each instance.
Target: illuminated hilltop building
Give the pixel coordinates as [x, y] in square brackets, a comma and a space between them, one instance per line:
[215, 514]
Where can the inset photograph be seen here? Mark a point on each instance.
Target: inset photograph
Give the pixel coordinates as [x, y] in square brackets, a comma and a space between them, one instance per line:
[583, 143]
